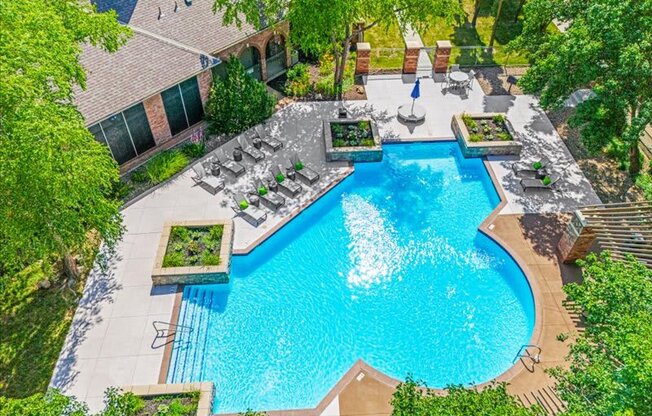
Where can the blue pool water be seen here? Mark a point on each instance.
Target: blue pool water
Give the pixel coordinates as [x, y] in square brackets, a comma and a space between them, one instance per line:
[388, 267]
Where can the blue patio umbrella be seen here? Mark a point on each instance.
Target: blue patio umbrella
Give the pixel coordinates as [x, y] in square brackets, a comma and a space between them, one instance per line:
[416, 92]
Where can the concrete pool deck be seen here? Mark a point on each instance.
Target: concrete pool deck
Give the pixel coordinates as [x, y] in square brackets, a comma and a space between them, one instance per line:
[112, 342]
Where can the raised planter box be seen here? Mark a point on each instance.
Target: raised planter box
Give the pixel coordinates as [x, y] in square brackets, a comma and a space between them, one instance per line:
[193, 275]
[351, 153]
[484, 148]
[206, 393]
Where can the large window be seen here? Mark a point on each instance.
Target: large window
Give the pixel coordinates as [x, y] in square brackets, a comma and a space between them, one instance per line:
[127, 134]
[183, 105]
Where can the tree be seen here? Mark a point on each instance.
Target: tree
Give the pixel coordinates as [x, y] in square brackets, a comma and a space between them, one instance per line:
[410, 399]
[321, 26]
[54, 176]
[238, 101]
[476, 12]
[499, 9]
[611, 362]
[607, 47]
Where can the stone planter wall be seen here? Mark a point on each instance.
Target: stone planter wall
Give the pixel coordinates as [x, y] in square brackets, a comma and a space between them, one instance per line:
[193, 275]
[206, 393]
[479, 149]
[353, 153]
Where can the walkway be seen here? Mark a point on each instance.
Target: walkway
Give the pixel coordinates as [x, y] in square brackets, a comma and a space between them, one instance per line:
[110, 341]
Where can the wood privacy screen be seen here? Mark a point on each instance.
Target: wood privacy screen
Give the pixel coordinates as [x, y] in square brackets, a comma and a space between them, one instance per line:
[622, 228]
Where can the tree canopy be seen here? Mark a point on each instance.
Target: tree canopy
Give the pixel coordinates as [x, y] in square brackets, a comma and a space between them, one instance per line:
[330, 26]
[607, 47]
[54, 177]
[411, 399]
[611, 362]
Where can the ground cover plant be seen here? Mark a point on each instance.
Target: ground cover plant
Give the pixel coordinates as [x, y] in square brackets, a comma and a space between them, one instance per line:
[298, 81]
[352, 134]
[387, 47]
[487, 129]
[413, 399]
[194, 246]
[237, 101]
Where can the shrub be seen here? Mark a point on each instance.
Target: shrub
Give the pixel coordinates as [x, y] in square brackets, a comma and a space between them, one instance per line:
[164, 165]
[238, 101]
[644, 181]
[298, 81]
[139, 175]
[173, 259]
[367, 142]
[504, 136]
[194, 150]
[499, 119]
[216, 232]
[469, 122]
[476, 138]
[210, 259]
[326, 79]
[120, 190]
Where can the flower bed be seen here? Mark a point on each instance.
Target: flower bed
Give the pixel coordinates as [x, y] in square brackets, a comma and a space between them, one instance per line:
[194, 252]
[352, 140]
[485, 134]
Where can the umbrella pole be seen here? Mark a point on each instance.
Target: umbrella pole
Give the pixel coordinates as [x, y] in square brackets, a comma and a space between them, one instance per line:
[412, 109]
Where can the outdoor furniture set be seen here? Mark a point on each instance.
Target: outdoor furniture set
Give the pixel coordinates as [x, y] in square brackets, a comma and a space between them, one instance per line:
[536, 174]
[456, 79]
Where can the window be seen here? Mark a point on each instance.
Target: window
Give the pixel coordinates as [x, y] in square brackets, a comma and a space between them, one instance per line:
[219, 70]
[183, 105]
[127, 134]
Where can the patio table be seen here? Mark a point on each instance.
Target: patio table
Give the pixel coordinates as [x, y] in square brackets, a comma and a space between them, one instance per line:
[458, 76]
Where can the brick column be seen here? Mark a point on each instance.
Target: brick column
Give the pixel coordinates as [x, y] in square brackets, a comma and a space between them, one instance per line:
[158, 121]
[442, 55]
[576, 241]
[411, 57]
[362, 58]
[205, 81]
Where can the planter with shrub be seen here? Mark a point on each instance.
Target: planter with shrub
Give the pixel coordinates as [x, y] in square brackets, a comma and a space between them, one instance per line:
[352, 140]
[485, 134]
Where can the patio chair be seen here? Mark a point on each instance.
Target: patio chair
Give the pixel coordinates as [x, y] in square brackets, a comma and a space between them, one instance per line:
[271, 200]
[303, 172]
[228, 164]
[208, 182]
[285, 185]
[253, 215]
[249, 150]
[268, 140]
[455, 67]
[539, 183]
[521, 168]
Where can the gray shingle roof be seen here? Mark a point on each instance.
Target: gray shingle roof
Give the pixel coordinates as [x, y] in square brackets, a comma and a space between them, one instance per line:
[163, 52]
[141, 68]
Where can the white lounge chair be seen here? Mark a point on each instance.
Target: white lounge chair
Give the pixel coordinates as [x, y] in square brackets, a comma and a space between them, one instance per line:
[253, 215]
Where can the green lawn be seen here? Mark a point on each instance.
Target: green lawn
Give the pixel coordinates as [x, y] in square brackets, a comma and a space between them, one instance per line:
[34, 327]
[387, 46]
[466, 35]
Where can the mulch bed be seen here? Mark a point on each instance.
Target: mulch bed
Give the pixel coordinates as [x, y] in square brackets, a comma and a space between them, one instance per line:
[493, 80]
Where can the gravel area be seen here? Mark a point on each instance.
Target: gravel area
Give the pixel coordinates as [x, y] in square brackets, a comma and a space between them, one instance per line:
[493, 80]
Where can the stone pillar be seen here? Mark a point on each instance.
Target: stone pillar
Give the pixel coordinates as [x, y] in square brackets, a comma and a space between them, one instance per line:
[411, 57]
[158, 121]
[576, 241]
[442, 55]
[263, 65]
[362, 58]
[205, 80]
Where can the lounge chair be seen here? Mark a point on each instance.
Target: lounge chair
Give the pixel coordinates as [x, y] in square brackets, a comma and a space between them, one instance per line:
[253, 215]
[249, 150]
[303, 172]
[528, 167]
[540, 183]
[285, 185]
[267, 139]
[228, 164]
[210, 183]
[271, 200]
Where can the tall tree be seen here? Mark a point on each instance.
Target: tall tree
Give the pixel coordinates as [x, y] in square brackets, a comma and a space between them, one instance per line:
[607, 47]
[610, 369]
[320, 26]
[499, 9]
[54, 177]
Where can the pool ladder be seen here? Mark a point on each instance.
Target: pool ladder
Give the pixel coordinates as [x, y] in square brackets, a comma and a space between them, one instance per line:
[165, 330]
[524, 353]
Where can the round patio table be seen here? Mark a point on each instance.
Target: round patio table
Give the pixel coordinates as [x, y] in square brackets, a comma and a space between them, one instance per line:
[459, 76]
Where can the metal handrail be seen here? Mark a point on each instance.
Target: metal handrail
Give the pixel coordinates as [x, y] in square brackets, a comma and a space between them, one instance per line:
[161, 332]
[535, 358]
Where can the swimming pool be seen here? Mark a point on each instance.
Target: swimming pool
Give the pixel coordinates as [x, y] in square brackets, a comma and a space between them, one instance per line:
[389, 267]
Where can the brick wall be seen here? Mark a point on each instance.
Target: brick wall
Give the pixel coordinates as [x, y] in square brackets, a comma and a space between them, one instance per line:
[158, 121]
[205, 80]
[442, 56]
[363, 53]
[411, 57]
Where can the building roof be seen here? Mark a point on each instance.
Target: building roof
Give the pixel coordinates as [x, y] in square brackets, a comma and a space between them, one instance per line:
[143, 67]
[163, 52]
